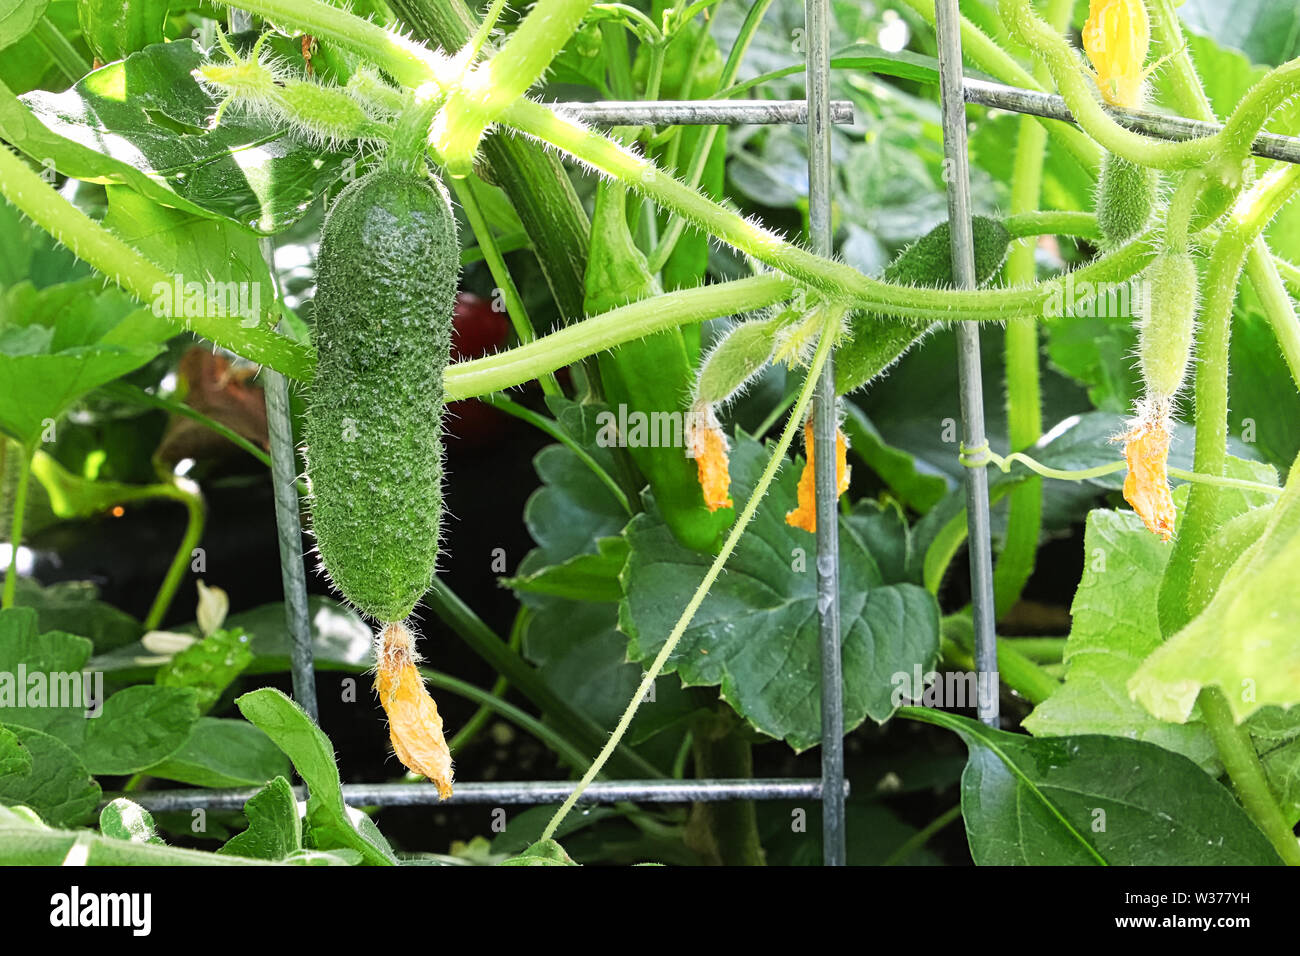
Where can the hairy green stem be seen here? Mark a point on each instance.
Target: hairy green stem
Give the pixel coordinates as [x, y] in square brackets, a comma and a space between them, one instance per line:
[636, 320]
[700, 157]
[1247, 774]
[836, 279]
[483, 93]
[1024, 393]
[496, 264]
[25, 455]
[693, 605]
[1279, 309]
[1082, 225]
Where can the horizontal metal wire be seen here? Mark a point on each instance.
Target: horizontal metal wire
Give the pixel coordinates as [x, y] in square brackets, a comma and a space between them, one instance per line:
[981, 92]
[507, 793]
[698, 112]
[1050, 106]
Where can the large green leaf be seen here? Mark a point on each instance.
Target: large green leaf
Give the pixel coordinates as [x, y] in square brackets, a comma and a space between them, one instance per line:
[143, 121]
[56, 785]
[331, 823]
[17, 17]
[223, 752]
[756, 634]
[14, 758]
[113, 28]
[58, 343]
[1094, 800]
[1245, 641]
[1114, 628]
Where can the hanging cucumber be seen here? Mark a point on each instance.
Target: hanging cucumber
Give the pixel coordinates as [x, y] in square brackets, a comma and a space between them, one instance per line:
[386, 289]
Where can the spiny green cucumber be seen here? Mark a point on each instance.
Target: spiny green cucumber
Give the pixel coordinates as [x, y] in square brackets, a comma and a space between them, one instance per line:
[877, 343]
[1166, 322]
[386, 289]
[1126, 196]
[740, 354]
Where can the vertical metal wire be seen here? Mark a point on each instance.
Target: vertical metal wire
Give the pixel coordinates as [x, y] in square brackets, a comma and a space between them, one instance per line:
[957, 178]
[817, 35]
[284, 481]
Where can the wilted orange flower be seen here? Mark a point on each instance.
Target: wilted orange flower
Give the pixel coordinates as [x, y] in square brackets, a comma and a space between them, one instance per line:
[805, 515]
[1146, 486]
[1116, 37]
[413, 722]
[709, 448]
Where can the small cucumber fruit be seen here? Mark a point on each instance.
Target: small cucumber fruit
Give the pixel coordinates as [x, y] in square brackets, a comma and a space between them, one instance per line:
[386, 289]
[877, 343]
[1126, 197]
[1167, 322]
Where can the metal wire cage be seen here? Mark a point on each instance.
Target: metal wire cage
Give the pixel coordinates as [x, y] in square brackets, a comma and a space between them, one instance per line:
[818, 112]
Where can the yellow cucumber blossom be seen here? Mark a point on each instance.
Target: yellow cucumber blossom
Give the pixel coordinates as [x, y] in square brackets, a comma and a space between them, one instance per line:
[709, 449]
[1146, 449]
[805, 515]
[1117, 37]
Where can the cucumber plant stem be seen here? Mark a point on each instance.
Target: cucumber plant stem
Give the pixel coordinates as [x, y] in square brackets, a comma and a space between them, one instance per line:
[25, 454]
[774, 463]
[1024, 393]
[1247, 774]
[496, 264]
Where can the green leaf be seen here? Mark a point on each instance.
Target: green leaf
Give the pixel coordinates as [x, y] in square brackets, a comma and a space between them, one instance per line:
[1245, 641]
[224, 752]
[585, 577]
[112, 28]
[157, 141]
[1179, 603]
[50, 666]
[1276, 735]
[1267, 31]
[124, 820]
[17, 17]
[331, 824]
[756, 634]
[1076, 800]
[1114, 629]
[208, 667]
[14, 758]
[274, 827]
[195, 249]
[57, 785]
[56, 345]
[75, 606]
[140, 726]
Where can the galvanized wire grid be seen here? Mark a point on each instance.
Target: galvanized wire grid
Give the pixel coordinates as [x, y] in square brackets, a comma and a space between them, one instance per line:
[819, 113]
